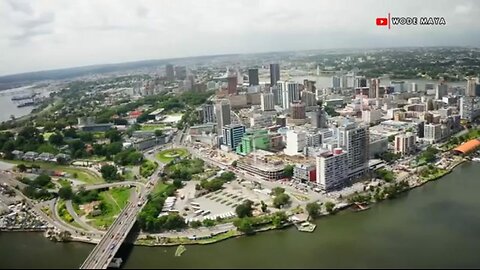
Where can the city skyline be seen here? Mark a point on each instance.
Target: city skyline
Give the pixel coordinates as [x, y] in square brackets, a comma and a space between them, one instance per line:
[58, 34]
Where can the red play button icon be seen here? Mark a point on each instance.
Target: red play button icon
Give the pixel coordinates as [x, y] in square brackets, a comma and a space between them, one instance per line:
[382, 21]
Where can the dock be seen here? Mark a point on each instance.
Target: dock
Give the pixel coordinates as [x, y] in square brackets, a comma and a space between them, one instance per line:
[306, 227]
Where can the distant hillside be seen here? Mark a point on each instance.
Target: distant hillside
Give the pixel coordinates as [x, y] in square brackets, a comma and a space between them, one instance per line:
[16, 80]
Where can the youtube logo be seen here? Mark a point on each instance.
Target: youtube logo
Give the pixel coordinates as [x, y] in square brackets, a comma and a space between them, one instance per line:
[382, 21]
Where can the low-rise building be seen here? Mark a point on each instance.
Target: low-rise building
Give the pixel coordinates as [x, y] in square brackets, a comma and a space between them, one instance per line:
[305, 172]
[405, 143]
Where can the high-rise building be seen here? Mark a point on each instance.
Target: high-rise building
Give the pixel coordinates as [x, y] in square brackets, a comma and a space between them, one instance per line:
[441, 91]
[298, 110]
[207, 113]
[277, 95]
[169, 72]
[432, 132]
[355, 140]
[222, 113]
[295, 142]
[232, 135]
[274, 74]
[332, 169]
[469, 108]
[253, 77]
[290, 93]
[267, 102]
[232, 85]
[414, 87]
[374, 89]
[471, 85]
[336, 82]
[181, 72]
[405, 143]
[318, 118]
[309, 86]
[309, 98]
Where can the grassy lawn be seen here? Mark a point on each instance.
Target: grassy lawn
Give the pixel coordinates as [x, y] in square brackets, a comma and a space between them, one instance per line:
[83, 175]
[113, 200]
[147, 168]
[64, 183]
[170, 154]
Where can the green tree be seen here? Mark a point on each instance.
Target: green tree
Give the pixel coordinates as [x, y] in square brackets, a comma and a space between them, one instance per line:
[279, 218]
[177, 183]
[278, 190]
[312, 209]
[281, 200]
[22, 167]
[56, 139]
[234, 163]
[329, 207]
[65, 193]
[113, 135]
[244, 225]
[264, 206]
[288, 171]
[245, 209]
[109, 173]
[208, 223]
[42, 180]
[158, 132]
[195, 224]
[227, 176]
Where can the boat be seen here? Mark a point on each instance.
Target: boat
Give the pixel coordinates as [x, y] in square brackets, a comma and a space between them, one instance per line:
[30, 96]
[361, 207]
[476, 159]
[26, 104]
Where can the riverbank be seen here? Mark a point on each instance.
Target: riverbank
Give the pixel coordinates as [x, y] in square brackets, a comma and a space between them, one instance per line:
[152, 241]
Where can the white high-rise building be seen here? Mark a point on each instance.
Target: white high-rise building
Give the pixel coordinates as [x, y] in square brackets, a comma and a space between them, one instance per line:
[267, 102]
[332, 169]
[414, 87]
[469, 107]
[355, 140]
[405, 143]
[295, 142]
[290, 93]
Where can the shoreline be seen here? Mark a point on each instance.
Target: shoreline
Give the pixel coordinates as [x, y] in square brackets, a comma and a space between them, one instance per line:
[234, 233]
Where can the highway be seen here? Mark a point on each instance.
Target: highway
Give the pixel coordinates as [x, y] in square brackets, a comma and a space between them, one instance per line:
[103, 253]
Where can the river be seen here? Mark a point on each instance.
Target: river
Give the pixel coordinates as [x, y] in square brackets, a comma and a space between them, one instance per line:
[436, 225]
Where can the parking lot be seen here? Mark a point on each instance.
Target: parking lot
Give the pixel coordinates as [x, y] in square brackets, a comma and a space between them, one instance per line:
[221, 203]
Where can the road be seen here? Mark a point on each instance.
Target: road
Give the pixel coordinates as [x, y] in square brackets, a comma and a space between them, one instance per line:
[79, 220]
[103, 253]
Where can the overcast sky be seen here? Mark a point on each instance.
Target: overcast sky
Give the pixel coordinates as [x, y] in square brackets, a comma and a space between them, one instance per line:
[38, 35]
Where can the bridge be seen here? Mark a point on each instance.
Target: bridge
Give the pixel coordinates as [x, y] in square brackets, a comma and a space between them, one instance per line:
[103, 253]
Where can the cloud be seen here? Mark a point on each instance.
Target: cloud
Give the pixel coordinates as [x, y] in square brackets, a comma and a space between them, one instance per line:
[41, 25]
[21, 6]
[82, 32]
